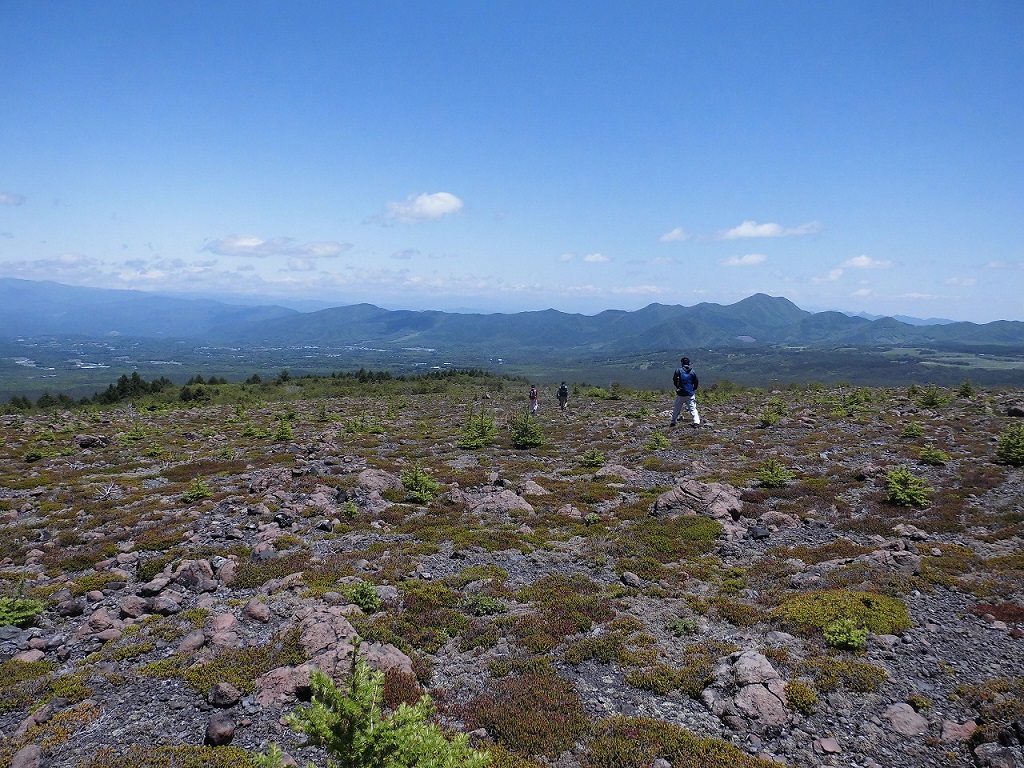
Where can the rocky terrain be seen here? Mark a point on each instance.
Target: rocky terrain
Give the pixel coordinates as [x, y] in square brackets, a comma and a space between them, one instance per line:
[763, 590]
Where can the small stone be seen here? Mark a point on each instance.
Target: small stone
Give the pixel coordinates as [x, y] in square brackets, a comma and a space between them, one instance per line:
[224, 695]
[953, 731]
[220, 730]
[827, 746]
[630, 579]
[257, 610]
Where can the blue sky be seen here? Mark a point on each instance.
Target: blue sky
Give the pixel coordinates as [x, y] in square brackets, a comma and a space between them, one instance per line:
[494, 156]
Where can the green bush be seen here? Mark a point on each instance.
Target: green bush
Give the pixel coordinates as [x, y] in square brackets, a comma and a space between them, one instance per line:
[657, 441]
[350, 725]
[525, 432]
[904, 489]
[912, 430]
[478, 432]
[932, 397]
[934, 456]
[419, 484]
[1010, 449]
[19, 611]
[364, 595]
[772, 474]
[772, 411]
[845, 634]
[591, 458]
[197, 489]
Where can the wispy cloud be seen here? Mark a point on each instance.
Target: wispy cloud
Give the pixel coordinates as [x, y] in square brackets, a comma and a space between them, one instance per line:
[749, 260]
[596, 258]
[753, 229]
[963, 282]
[420, 208]
[9, 199]
[565, 258]
[832, 276]
[251, 245]
[860, 292]
[916, 296]
[866, 262]
[674, 236]
[999, 264]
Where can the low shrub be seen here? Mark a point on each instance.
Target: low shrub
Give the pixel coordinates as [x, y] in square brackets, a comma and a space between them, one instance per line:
[1010, 448]
[19, 611]
[772, 474]
[845, 635]
[636, 742]
[934, 456]
[880, 614]
[831, 674]
[420, 486]
[530, 714]
[197, 489]
[525, 432]
[904, 489]
[351, 725]
[801, 697]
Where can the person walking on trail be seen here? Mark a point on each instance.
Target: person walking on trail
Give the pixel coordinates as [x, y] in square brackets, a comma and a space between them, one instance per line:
[533, 399]
[563, 396]
[685, 380]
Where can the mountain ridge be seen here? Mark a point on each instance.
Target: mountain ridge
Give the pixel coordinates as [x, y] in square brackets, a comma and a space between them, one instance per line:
[40, 308]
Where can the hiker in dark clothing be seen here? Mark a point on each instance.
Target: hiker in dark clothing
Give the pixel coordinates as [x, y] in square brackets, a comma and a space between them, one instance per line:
[685, 380]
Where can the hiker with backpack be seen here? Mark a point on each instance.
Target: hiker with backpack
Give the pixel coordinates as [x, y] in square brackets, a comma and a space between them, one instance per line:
[685, 380]
[563, 396]
[533, 399]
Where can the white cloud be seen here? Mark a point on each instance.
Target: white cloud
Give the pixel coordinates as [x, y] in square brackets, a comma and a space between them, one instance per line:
[596, 258]
[297, 264]
[915, 296]
[749, 260]
[566, 257]
[753, 229]
[999, 264]
[866, 262]
[965, 282]
[862, 292]
[637, 290]
[658, 261]
[9, 199]
[674, 236]
[405, 254]
[420, 208]
[831, 277]
[251, 245]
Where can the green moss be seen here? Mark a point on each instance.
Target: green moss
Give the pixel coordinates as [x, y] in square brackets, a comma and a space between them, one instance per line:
[801, 697]
[830, 674]
[636, 742]
[815, 610]
[139, 756]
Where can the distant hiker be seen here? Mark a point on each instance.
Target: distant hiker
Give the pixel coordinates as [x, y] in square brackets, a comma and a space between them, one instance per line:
[533, 399]
[563, 396]
[685, 380]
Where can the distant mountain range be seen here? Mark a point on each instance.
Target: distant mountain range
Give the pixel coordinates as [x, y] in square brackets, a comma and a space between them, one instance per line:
[30, 308]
